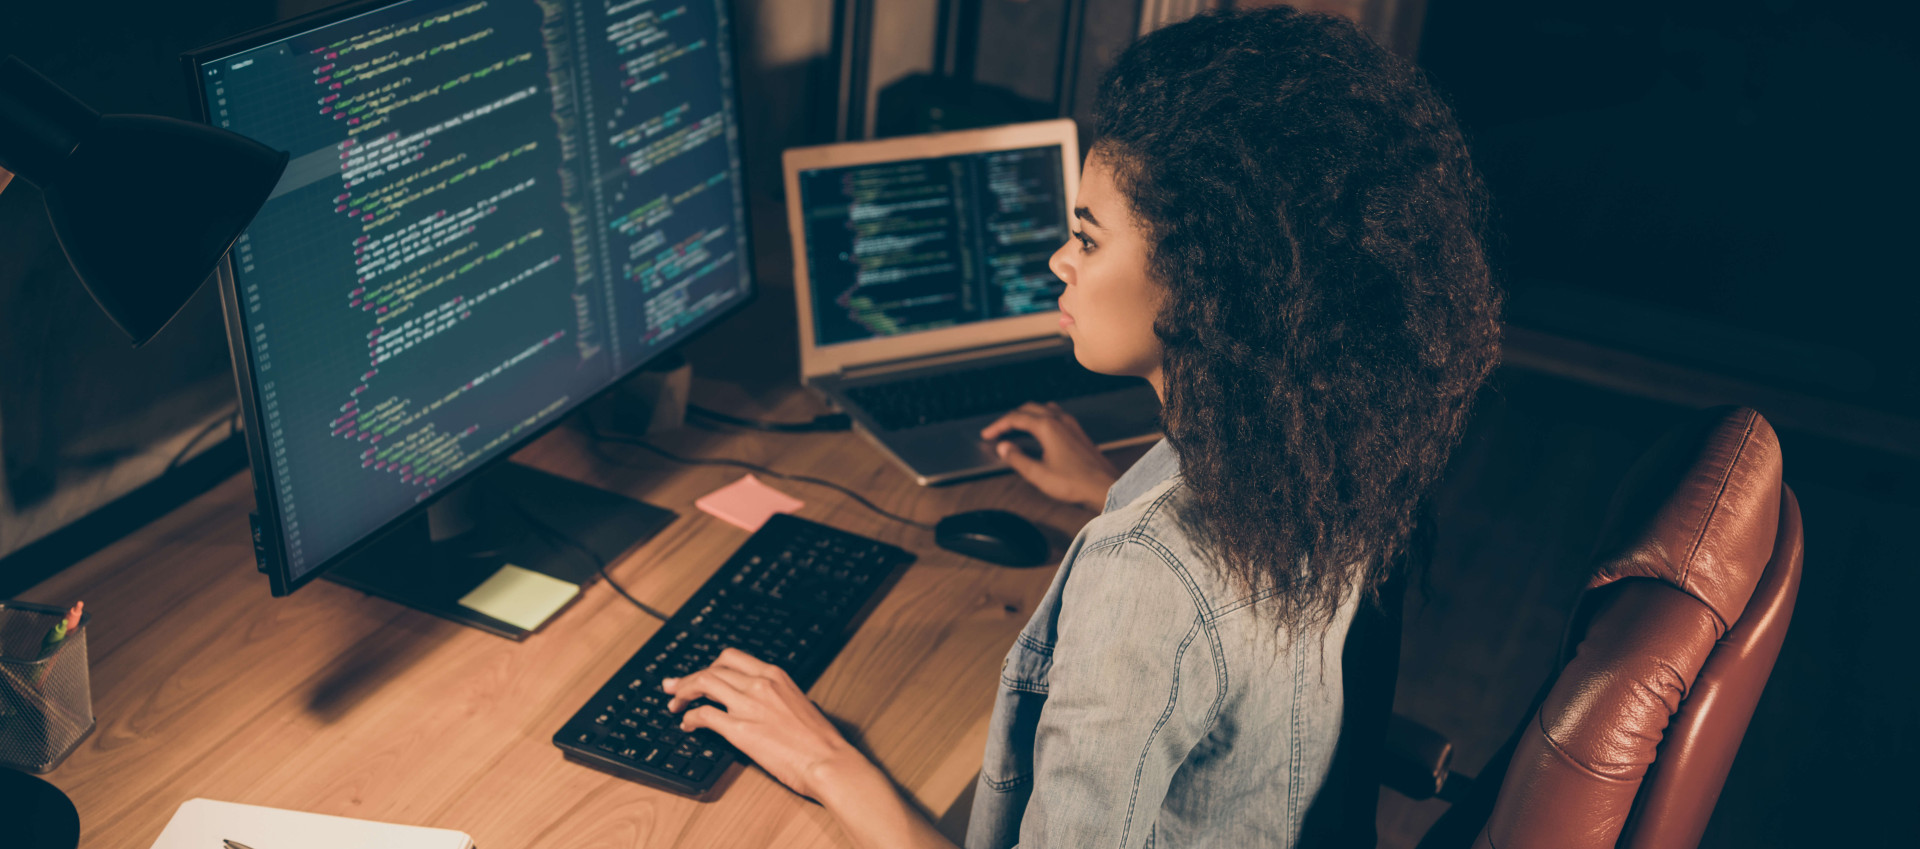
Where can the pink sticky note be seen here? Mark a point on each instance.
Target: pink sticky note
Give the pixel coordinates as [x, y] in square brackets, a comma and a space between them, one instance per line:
[748, 503]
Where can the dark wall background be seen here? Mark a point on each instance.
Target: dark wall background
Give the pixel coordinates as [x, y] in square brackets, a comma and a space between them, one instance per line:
[85, 418]
[1727, 184]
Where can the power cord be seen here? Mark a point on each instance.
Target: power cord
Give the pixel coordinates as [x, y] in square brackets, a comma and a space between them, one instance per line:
[231, 420]
[594, 431]
[821, 424]
[556, 535]
[600, 565]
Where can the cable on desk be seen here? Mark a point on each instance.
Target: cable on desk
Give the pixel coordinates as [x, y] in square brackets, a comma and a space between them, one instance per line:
[820, 424]
[555, 534]
[231, 420]
[625, 439]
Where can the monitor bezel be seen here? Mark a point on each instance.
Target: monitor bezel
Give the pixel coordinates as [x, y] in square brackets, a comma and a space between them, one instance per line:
[818, 360]
[269, 534]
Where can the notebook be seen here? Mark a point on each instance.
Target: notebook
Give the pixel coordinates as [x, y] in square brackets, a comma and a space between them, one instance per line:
[204, 823]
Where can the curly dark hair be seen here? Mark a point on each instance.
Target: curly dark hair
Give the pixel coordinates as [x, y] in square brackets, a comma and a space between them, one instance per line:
[1330, 310]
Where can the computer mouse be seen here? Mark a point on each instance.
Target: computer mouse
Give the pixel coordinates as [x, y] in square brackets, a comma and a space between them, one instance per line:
[995, 536]
[1021, 440]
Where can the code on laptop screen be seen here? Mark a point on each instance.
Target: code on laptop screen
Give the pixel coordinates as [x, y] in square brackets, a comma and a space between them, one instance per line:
[901, 247]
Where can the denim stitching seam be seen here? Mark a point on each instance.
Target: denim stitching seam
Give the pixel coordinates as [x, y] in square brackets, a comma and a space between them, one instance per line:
[1036, 645]
[1219, 676]
[1180, 571]
[1255, 598]
[1023, 687]
[1173, 698]
[1003, 786]
[1293, 769]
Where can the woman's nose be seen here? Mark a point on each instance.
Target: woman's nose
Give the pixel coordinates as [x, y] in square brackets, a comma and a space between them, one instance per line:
[1061, 262]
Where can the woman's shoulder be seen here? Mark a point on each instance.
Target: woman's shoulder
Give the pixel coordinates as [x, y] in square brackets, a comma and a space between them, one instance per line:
[1153, 533]
[1144, 516]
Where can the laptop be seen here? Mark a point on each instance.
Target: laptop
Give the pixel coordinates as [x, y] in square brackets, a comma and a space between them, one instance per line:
[926, 307]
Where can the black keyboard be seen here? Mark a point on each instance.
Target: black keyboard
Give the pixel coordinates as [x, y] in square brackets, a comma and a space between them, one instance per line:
[791, 595]
[947, 396]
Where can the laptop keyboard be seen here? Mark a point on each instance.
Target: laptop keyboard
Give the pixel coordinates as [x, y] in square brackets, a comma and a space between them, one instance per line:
[947, 396]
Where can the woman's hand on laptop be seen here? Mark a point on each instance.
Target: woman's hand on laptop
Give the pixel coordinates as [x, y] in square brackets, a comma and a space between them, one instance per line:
[1070, 467]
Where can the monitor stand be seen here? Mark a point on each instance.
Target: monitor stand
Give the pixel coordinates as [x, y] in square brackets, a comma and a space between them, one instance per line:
[508, 514]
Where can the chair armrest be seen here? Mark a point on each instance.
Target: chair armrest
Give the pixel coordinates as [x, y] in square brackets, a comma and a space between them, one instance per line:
[1416, 761]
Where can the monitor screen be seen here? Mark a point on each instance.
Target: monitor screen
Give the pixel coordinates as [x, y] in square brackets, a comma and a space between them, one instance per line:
[494, 210]
[901, 247]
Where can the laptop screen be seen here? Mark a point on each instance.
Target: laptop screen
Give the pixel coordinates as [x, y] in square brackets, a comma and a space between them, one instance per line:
[905, 246]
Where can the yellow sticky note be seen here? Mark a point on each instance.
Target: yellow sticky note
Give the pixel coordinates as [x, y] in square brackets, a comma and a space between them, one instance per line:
[520, 597]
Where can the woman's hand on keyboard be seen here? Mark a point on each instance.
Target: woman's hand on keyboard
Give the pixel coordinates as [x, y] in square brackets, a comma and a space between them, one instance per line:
[767, 718]
[1070, 467]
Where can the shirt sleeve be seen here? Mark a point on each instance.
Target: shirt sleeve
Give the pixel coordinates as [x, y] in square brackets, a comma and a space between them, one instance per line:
[1133, 687]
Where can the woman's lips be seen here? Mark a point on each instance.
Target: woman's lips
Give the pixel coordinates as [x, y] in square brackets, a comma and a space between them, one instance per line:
[1066, 319]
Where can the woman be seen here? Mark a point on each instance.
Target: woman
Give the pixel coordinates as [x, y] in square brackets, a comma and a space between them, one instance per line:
[1279, 228]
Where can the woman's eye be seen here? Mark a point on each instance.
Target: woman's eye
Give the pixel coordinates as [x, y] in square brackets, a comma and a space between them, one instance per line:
[1086, 244]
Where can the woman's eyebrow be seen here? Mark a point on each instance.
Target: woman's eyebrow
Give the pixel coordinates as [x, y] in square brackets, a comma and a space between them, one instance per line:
[1086, 215]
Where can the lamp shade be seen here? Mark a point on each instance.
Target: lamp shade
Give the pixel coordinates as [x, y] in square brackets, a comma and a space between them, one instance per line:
[144, 206]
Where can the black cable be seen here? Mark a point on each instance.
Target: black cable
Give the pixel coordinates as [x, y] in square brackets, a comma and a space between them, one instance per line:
[594, 431]
[555, 534]
[821, 424]
[231, 420]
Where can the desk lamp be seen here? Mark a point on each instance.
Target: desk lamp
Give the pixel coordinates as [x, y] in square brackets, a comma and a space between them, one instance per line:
[144, 207]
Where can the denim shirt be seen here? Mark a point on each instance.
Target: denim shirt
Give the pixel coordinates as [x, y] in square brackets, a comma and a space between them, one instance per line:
[1146, 704]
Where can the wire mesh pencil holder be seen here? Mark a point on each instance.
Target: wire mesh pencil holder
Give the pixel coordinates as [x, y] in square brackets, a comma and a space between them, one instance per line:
[46, 706]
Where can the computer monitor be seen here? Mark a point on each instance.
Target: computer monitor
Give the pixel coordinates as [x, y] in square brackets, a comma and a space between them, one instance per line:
[495, 210]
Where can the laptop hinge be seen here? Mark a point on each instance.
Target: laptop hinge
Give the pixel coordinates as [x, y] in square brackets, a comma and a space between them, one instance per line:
[949, 357]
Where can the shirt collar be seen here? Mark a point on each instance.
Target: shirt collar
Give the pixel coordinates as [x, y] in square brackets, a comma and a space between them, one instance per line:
[1154, 468]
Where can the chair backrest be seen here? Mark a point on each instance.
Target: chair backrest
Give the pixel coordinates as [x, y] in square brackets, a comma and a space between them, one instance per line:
[1667, 650]
[1697, 752]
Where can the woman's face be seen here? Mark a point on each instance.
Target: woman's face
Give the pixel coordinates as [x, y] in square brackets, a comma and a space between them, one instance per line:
[1110, 303]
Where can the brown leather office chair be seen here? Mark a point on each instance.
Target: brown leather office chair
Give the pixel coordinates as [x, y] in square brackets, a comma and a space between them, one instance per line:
[1664, 659]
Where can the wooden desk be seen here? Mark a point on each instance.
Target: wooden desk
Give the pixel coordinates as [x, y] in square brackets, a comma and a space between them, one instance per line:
[340, 703]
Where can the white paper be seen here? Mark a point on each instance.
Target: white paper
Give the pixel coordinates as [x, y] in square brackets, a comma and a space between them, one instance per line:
[204, 823]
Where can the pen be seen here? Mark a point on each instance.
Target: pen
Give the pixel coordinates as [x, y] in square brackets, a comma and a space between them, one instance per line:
[235, 845]
[58, 633]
